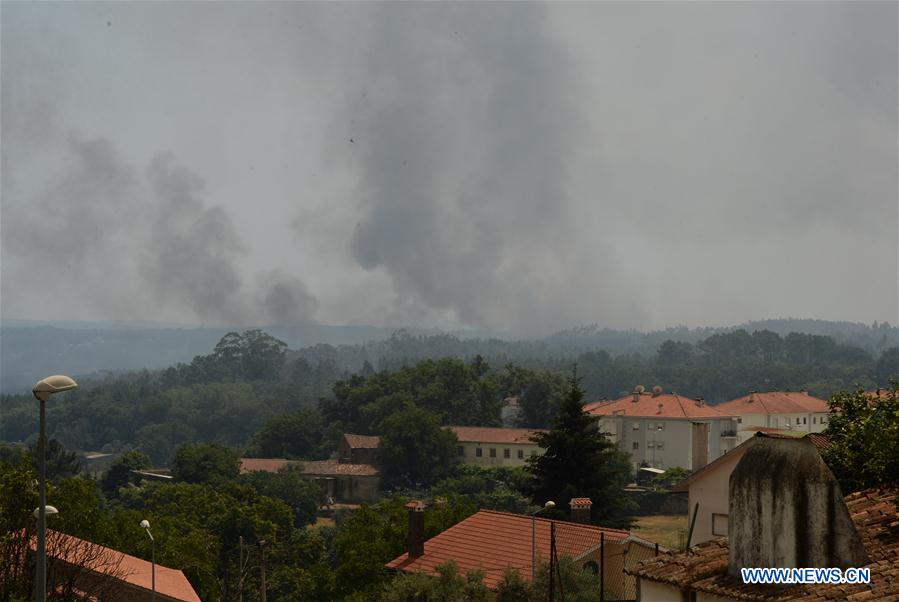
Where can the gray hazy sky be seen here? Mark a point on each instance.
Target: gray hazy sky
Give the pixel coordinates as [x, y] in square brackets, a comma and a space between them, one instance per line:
[515, 167]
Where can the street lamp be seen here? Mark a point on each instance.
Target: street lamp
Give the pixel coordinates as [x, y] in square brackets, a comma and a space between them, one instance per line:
[145, 525]
[51, 510]
[42, 391]
[548, 505]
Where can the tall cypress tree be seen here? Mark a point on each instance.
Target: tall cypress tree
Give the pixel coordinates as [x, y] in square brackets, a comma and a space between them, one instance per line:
[580, 461]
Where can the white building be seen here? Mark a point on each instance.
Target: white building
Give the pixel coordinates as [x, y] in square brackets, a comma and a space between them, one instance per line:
[782, 410]
[664, 430]
[487, 446]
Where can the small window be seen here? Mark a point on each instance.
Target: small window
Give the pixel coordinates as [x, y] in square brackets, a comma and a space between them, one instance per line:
[636, 426]
[739, 421]
[460, 450]
[507, 453]
[805, 421]
[814, 420]
[479, 452]
[649, 426]
[636, 445]
[787, 420]
[660, 426]
[650, 445]
[520, 454]
[823, 419]
[719, 524]
[660, 445]
[492, 452]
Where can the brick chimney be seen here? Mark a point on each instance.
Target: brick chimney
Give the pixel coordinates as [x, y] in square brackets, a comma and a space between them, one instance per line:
[580, 510]
[786, 510]
[416, 545]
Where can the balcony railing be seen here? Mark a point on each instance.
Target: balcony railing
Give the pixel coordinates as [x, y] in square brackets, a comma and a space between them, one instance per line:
[728, 433]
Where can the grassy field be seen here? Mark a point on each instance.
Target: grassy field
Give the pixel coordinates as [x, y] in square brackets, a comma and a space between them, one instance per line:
[668, 531]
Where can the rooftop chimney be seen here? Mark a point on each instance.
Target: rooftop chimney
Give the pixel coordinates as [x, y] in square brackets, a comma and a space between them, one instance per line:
[751, 396]
[786, 510]
[638, 391]
[661, 405]
[416, 545]
[580, 509]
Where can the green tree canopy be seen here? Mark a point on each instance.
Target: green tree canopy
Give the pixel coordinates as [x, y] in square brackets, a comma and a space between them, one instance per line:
[580, 461]
[205, 463]
[120, 470]
[292, 435]
[864, 439]
[414, 449]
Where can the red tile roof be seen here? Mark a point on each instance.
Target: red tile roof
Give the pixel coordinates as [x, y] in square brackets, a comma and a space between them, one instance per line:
[480, 434]
[311, 467]
[263, 464]
[493, 541]
[329, 468]
[876, 518]
[774, 402]
[117, 565]
[665, 405]
[361, 441]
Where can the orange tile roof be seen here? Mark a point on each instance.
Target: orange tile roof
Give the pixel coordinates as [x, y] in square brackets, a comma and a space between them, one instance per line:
[493, 541]
[323, 468]
[328, 468]
[774, 402]
[876, 519]
[263, 464]
[361, 441]
[117, 565]
[481, 434]
[648, 406]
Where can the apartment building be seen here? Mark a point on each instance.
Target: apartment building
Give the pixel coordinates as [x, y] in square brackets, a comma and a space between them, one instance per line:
[664, 430]
[781, 410]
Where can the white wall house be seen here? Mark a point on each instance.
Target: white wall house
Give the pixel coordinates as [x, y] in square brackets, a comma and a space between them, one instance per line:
[782, 410]
[486, 446]
[664, 430]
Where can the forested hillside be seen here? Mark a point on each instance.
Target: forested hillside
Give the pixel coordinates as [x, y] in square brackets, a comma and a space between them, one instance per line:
[232, 395]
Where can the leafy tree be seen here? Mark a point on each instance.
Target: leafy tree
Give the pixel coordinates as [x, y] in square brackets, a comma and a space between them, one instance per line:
[205, 463]
[291, 487]
[294, 435]
[579, 461]
[512, 588]
[675, 352]
[120, 470]
[672, 475]
[61, 464]
[414, 449]
[864, 439]
[487, 488]
[447, 586]
[887, 366]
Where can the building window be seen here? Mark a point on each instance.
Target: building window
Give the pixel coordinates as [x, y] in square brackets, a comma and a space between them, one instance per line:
[506, 453]
[636, 445]
[492, 452]
[804, 421]
[739, 421]
[814, 420]
[636, 426]
[660, 426]
[719, 524]
[823, 419]
[520, 454]
[649, 426]
[660, 445]
[460, 450]
[479, 452]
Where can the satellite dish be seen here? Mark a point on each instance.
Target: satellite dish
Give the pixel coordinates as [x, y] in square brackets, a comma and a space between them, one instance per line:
[639, 389]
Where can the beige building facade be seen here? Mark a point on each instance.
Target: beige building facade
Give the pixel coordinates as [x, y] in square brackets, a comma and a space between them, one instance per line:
[783, 410]
[489, 447]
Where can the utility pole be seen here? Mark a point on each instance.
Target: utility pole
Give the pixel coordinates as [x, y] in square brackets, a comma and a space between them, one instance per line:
[262, 543]
[240, 571]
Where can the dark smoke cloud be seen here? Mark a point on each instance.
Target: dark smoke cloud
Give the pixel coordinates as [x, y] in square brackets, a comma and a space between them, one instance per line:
[462, 126]
[127, 244]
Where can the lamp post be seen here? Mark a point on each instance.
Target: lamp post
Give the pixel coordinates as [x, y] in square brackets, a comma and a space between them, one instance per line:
[145, 525]
[42, 391]
[546, 506]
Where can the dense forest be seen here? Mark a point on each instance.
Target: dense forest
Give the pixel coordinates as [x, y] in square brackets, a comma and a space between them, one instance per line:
[251, 379]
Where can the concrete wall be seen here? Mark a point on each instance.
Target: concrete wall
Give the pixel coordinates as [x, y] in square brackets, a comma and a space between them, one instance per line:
[653, 591]
[787, 510]
[518, 453]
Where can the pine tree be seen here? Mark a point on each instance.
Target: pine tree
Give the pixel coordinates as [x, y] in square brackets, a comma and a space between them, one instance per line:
[579, 461]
